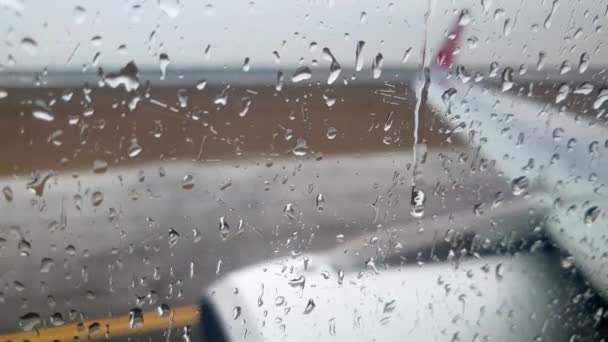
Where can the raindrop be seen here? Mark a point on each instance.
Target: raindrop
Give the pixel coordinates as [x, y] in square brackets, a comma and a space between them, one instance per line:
[550, 16]
[359, 55]
[583, 89]
[565, 68]
[136, 318]
[332, 132]
[309, 306]
[320, 201]
[301, 147]
[363, 17]
[188, 181]
[246, 65]
[96, 198]
[29, 321]
[80, 15]
[38, 180]
[134, 149]
[245, 104]
[406, 55]
[499, 272]
[418, 199]
[591, 215]
[289, 211]
[558, 134]
[507, 79]
[43, 115]
[334, 68]
[600, 99]
[30, 46]
[224, 228]
[583, 63]
[25, 248]
[57, 319]
[173, 238]
[8, 193]
[164, 61]
[562, 93]
[279, 84]
[301, 74]
[542, 57]
[170, 7]
[200, 85]
[277, 57]
[377, 66]
[236, 312]
[164, 311]
[390, 306]
[46, 264]
[465, 18]
[127, 77]
[519, 185]
[100, 166]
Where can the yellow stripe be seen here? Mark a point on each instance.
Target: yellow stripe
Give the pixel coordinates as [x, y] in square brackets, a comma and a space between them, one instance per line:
[108, 327]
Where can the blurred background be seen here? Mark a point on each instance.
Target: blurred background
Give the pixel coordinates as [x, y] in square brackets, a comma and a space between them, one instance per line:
[164, 153]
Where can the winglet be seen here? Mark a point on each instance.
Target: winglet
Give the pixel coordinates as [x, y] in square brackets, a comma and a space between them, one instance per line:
[446, 55]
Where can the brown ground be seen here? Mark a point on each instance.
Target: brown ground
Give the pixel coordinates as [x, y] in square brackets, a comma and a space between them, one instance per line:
[204, 130]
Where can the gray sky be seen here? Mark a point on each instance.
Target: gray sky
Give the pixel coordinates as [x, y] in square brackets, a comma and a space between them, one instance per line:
[237, 29]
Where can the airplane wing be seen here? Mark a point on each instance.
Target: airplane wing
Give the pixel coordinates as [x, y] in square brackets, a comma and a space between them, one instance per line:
[535, 145]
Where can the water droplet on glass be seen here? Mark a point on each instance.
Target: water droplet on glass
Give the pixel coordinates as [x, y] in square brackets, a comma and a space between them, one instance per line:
[377, 66]
[519, 185]
[507, 79]
[164, 61]
[29, 321]
[173, 237]
[602, 97]
[164, 311]
[558, 134]
[46, 264]
[245, 104]
[170, 7]
[80, 15]
[583, 63]
[332, 132]
[362, 17]
[320, 201]
[465, 18]
[57, 319]
[29, 45]
[224, 228]
[289, 211]
[359, 55]
[542, 57]
[134, 149]
[246, 64]
[127, 77]
[565, 68]
[8, 193]
[309, 306]
[236, 312]
[188, 181]
[591, 215]
[418, 199]
[277, 57]
[301, 147]
[96, 198]
[136, 318]
[301, 74]
[43, 115]
[38, 181]
[100, 166]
